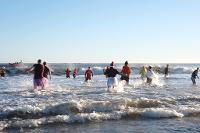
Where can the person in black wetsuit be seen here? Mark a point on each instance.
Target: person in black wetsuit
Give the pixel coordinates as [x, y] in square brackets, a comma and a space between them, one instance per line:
[194, 76]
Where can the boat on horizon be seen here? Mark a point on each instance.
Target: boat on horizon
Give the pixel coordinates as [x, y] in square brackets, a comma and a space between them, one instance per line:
[17, 64]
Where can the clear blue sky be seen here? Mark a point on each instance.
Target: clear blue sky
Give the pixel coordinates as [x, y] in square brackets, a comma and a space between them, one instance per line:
[100, 30]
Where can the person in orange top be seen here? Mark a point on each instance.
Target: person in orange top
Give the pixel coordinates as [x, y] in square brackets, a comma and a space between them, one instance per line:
[126, 71]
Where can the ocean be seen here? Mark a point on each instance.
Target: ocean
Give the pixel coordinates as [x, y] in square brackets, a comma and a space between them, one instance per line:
[169, 105]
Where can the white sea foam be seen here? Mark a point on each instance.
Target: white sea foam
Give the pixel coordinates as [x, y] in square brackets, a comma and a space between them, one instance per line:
[117, 88]
[161, 113]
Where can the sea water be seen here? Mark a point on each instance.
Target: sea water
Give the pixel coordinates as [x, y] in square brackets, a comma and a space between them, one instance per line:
[170, 104]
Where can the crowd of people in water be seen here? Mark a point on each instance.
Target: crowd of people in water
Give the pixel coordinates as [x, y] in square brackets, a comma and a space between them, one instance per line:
[42, 73]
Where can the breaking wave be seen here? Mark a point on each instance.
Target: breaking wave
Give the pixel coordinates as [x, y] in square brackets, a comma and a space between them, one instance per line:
[90, 111]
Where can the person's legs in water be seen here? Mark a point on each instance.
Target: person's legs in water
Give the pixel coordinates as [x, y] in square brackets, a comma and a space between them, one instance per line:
[87, 78]
[193, 80]
[125, 78]
[74, 75]
[34, 84]
[38, 83]
[110, 82]
[45, 82]
[149, 80]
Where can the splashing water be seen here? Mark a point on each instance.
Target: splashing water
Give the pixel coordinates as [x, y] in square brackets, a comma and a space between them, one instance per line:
[117, 88]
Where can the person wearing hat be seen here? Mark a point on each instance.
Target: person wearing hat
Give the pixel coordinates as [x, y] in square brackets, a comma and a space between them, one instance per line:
[126, 71]
[194, 76]
[111, 74]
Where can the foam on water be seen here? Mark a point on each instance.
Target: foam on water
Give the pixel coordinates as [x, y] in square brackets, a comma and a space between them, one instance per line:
[161, 113]
[118, 88]
[131, 113]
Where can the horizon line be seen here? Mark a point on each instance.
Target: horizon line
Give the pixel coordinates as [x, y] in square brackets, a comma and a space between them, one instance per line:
[109, 62]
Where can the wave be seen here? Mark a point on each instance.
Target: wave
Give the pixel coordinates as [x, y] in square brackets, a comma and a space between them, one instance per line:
[82, 106]
[151, 113]
[91, 111]
[29, 112]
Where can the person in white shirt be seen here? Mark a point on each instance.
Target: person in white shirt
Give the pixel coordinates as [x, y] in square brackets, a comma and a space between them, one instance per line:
[150, 75]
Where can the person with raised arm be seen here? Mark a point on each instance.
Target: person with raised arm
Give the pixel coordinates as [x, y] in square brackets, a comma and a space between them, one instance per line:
[38, 70]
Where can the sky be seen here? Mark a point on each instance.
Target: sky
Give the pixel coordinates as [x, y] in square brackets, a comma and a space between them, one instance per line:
[100, 31]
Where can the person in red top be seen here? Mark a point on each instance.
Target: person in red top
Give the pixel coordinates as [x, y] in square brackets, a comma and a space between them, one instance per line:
[88, 74]
[68, 73]
[126, 71]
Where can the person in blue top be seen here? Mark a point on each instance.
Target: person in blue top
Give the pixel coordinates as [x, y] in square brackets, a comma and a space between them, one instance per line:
[194, 76]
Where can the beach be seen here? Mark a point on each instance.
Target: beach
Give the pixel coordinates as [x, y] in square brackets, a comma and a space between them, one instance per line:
[71, 105]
